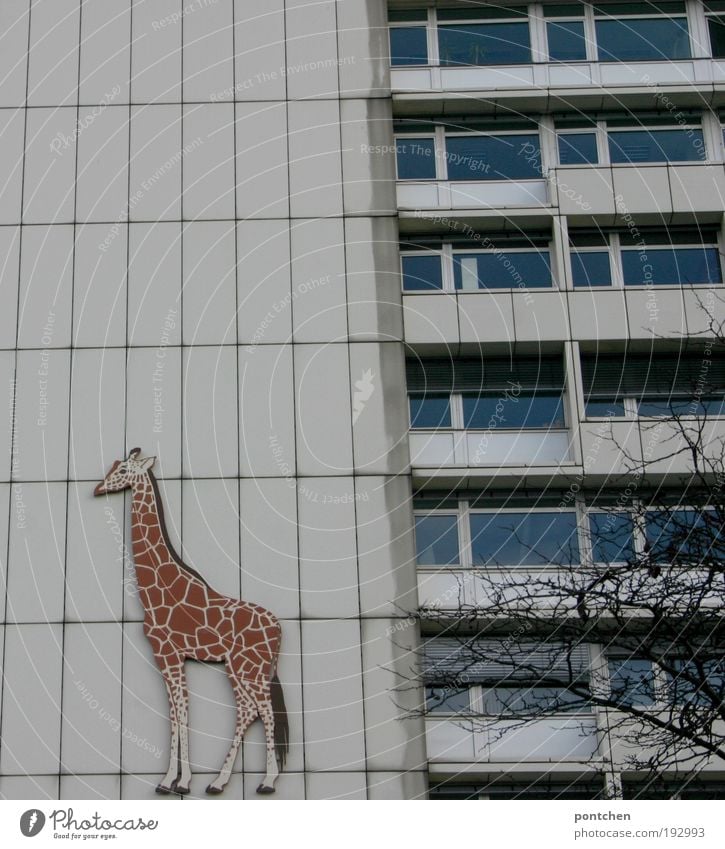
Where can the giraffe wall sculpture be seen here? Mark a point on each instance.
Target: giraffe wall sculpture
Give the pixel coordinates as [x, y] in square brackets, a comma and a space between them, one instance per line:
[186, 619]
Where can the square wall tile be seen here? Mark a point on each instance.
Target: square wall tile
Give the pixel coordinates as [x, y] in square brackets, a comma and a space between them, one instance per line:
[103, 163]
[12, 139]
[101, 566]
[209, 161]
[91, 698]
[331, 671]
[156, 58]
[259, 38]
[373, 279]
[31, 707]
[315, 158]
[211, 446]
[324, 419]
[41, 415]
[153, 410]
[210, 281]
[328, 550]
[89, 787]
[362, 43]
[262, 178]
[105, 48]
[411, 785]
[14, 22]
[311, 49]
[154, 284]
[266, 411]
[210, 532]
[54, 42]
[99, 286]
[270, 569]
[156, 163]
[28, 787]
[263, 282]
[97, 410]
[7, 504]
[50, 165]
[338, 785]
[46, 287]
[9, 281]
[208, 52]
[318, 280]
[369, 176]
[36, 565]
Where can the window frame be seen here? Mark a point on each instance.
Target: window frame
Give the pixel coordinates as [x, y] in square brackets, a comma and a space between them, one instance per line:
[495, 134]
[436, 156]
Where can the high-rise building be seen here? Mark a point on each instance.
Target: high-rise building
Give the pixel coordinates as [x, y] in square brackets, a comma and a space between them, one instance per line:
[370, 280]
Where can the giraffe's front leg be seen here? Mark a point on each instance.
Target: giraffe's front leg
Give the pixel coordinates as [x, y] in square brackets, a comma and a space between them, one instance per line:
[166, 785]
[183, 784]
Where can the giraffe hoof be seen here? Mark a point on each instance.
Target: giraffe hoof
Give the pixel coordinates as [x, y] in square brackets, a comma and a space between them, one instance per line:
[263, 790]
[214, 791]
[163, 790]
[179, 789]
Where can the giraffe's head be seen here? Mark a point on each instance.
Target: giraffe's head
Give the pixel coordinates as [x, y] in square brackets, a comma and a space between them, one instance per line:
[123, 473]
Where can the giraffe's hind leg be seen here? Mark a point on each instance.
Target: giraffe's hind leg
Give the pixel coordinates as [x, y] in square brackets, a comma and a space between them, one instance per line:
[262, 694]
[171, 678]
[246, 714]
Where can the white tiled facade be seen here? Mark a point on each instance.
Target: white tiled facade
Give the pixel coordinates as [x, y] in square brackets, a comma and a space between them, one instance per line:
[199, 255]
[194, 260]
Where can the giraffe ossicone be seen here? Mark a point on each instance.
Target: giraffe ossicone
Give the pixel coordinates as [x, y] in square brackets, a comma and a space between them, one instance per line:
[185, 619]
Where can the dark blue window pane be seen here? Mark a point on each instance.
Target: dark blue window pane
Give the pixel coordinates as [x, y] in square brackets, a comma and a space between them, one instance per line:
[527, 410]
[484, 44]
[430, 410]
[656, 146]
[612, 537]
[566, 41]
[688, 686]
[578, 148]
[416, 159]
[527, 270]
[671, 266]
[717, 36]
[436, 540]
[408, 46]
[662, 406]
[422, 272]
[505, 157]
[591, 268]
[678, 536]
[631, 681]
[524, 539]
[633, 39]
[447, 699]
[604, 409]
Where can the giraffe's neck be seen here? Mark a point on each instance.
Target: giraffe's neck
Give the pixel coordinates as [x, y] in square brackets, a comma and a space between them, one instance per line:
[157, 564]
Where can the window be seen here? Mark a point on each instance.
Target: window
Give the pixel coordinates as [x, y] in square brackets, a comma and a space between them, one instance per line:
[683, 536]
[501, 269]
[655, 145]
[612, 537]
[566, 40]
[630, 32]
[504, 41]
[533, 538]
[531, 699]
[657, 384]
[436, 539]
[422, 272]
[646, 257]
[540, 788]
[716, 27]
[448, 699]
[415, 158]
[408, 46]
[487, 393]
[430, 410]
[577, 148]
[631, 681]
[510, 156]
[698, 682]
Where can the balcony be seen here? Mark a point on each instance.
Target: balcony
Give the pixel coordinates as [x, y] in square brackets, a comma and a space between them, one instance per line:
[498, 194]
[485, 449]
[566, 739]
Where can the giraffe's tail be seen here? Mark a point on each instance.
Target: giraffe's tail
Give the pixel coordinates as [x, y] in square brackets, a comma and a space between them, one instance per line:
[281, 722]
